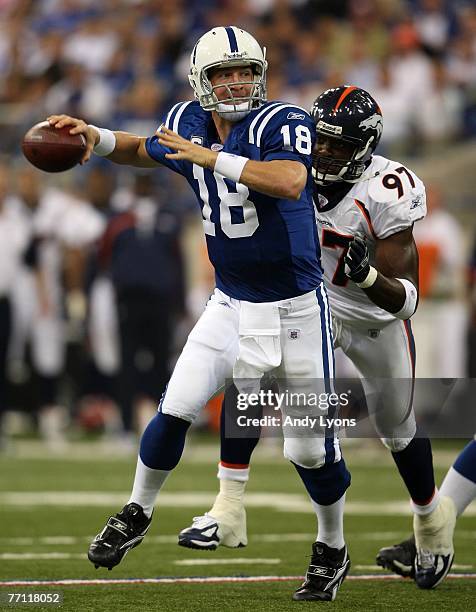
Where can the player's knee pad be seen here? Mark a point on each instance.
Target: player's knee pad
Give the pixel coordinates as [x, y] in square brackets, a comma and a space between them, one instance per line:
[308, 453]
[396, 445]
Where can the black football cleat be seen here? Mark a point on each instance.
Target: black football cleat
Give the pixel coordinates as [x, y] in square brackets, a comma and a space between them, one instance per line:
[325, 574]
[431, 568]
[399, 558]
[122, 532]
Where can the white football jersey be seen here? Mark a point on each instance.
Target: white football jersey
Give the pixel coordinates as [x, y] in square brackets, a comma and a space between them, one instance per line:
[391, 200]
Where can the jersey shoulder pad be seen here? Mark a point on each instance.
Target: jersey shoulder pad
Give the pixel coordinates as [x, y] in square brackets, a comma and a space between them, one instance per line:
[183, 115]
[274, 115]
[396, 197]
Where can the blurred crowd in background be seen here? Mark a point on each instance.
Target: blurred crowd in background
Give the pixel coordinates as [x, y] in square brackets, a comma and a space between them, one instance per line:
[103, 269]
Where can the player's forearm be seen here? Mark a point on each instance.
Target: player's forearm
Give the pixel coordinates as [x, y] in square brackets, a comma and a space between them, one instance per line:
[387, 293]
[275, 179]
[130, 150]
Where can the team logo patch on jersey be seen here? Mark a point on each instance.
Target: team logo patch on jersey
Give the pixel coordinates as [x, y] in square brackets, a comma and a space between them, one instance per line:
[296, 116]
[216, 146]
[322, 201]
[374, 333]
[293, 334]
[197, 140]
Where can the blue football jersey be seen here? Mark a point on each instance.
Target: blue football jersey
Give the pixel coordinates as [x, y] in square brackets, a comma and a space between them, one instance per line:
[263, 248]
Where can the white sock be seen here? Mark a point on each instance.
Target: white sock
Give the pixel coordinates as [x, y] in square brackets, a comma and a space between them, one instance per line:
[147, 484]
[232, 490]
[330, 523]
[227, 473]
[461, 490]
[427, 508]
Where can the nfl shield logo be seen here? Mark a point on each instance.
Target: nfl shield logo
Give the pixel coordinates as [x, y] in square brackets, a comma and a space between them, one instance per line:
[293, 334]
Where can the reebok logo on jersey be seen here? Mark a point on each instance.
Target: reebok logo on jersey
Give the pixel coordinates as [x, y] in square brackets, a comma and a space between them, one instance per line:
[295, 116]
[416, 202]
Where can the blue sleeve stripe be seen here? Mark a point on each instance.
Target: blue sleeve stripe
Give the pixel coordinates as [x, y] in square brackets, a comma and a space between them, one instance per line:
[178, 115]
[170, 113]
[232, 39]
[251, 137]
[268, 118]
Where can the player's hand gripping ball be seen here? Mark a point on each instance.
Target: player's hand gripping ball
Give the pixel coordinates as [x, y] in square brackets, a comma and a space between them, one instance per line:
[53, 149]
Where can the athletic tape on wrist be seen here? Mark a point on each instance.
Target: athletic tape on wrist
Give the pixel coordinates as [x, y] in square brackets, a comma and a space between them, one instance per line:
[369, 280]
[230, 166]
[411, 300]
[106, 143]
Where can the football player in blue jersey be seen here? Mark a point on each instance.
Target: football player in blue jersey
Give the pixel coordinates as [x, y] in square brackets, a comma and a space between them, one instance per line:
[248, 162]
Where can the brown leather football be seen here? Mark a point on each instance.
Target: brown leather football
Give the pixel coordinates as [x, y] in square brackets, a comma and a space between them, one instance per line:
[53, 149]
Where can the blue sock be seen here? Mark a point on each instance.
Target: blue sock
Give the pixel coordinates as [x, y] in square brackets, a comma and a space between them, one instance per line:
[415, 464]
[237, 451]
[465, 464]
[162, 442]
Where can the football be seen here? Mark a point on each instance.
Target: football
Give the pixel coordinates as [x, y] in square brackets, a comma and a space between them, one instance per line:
[53, 149]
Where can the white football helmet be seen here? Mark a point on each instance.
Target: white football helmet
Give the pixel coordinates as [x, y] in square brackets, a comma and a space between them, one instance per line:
[228, 46]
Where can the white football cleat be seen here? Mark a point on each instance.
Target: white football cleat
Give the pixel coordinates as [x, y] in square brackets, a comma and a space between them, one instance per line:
[208, 532]
[434, 543]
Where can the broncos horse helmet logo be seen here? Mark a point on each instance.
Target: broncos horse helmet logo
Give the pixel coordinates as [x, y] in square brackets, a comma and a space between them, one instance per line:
[373, 122]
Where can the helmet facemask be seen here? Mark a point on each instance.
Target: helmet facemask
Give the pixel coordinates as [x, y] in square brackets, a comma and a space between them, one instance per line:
[228, 47]
[331, 169]
[233, 107]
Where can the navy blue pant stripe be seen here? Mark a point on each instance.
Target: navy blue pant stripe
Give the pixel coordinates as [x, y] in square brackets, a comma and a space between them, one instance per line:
[232, 39]
[325, 335]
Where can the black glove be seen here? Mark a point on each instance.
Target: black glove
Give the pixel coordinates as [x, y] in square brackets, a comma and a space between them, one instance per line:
[356, 260]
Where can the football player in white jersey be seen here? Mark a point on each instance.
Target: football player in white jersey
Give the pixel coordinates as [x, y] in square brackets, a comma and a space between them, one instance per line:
[366, 206]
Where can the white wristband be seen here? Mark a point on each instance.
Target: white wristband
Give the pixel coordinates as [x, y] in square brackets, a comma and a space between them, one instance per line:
[230, 166]
[411, 300]
[106, 143]
[369, 280]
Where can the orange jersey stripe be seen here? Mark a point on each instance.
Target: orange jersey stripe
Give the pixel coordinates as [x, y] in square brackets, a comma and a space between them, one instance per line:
[366, 215]
[343, 96]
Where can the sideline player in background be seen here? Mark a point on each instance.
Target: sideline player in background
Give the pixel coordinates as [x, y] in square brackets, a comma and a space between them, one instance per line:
[248, 162]
[365, 208]
[459, 484]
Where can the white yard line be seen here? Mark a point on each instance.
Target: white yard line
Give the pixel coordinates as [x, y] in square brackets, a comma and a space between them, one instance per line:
[230, 561]
[209, 580]
[378, 536]
[281, 502]
[367, 452]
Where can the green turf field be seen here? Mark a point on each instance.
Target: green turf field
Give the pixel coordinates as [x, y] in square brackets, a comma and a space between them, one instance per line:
[50, 507]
